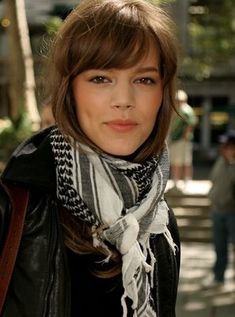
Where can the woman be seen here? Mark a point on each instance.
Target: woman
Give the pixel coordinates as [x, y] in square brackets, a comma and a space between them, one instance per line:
[99, 239]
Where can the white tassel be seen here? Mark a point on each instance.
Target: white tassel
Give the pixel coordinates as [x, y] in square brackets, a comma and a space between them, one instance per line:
[152, 262]
[172, 244]
[98, 242]
[124, 306]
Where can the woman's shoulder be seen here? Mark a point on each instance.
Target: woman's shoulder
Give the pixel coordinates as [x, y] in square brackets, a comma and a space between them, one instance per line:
[32, 163]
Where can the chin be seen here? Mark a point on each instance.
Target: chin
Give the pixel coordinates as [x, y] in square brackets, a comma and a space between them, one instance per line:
[120, 152]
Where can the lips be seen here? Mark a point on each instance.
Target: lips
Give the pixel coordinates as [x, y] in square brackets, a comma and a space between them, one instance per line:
[122, 125]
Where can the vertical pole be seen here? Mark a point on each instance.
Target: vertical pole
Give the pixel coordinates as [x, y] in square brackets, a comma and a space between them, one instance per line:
[205, 129]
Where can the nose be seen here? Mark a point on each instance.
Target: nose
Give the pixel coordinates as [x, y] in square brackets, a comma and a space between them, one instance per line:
[122, 97]
[122, 107]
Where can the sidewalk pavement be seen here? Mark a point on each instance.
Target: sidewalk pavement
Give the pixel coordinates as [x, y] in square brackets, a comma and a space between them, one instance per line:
[196, 263]
[193, 300]
[192, 187]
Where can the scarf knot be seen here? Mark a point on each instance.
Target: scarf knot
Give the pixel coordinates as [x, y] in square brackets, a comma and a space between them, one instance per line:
[123, 233]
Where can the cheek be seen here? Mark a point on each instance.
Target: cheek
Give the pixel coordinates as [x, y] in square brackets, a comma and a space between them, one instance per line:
[87, 118]
[153, 111]
[82, 116]
[81, 106]
[153, 115]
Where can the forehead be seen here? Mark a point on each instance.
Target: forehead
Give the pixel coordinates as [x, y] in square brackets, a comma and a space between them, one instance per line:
[148, 60]
[229, 145]
[138, 57]
[107, 49]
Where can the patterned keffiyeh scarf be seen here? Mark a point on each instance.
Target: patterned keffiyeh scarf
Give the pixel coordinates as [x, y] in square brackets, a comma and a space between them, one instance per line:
[124, 203]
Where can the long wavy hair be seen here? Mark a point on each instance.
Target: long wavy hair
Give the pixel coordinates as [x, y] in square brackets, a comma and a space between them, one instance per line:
[105, 34]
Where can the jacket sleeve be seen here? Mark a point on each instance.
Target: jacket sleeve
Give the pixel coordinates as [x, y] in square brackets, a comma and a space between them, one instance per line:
[5, 213]
[216, 169]
[173, 227]
[167, 269]
[231, 171]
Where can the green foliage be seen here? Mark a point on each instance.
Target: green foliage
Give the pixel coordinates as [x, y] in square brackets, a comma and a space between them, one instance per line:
[212, 38]
[196, 68]
[53, 25]
[12, 134]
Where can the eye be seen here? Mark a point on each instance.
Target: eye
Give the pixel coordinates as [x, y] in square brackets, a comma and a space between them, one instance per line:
[146, 81]
[99, 80]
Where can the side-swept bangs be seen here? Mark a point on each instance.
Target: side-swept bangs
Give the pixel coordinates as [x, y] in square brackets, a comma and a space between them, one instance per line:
[114, 38]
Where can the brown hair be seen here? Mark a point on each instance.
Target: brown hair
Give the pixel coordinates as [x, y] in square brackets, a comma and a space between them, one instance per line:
[104, 34]
[78, 238]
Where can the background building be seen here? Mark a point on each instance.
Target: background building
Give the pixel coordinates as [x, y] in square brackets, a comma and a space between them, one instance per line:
[207, 36]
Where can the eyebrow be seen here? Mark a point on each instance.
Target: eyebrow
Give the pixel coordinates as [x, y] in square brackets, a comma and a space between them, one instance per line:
[147, 69]
[137, 71]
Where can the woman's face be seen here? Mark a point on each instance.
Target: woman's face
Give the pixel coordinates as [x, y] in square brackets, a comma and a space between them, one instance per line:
[117, 108]
[229, 152]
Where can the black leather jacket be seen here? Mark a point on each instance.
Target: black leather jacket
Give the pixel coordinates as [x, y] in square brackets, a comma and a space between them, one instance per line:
[40, 285]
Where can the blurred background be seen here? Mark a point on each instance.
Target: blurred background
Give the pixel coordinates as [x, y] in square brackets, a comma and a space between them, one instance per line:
[206, 32]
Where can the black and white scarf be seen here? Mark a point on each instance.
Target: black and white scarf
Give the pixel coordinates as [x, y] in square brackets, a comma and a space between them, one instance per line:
[124, 203]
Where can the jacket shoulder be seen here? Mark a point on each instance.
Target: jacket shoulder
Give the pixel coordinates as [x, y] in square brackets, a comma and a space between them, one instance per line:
[167, 269]
[32, 163]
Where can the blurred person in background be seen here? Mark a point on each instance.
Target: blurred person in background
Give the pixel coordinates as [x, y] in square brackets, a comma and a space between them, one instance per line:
[181, 142]
[222, 197]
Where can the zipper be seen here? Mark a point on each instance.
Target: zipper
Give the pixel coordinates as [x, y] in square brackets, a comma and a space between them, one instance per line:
[174, 280]
[51, 256]
[155, 275]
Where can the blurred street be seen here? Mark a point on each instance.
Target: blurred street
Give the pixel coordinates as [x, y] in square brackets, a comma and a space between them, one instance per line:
[193, 300]
[193, 215]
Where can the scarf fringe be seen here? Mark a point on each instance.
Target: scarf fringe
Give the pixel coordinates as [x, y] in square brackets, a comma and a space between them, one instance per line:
[99, 243]
[124, 305]
[169, 239]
